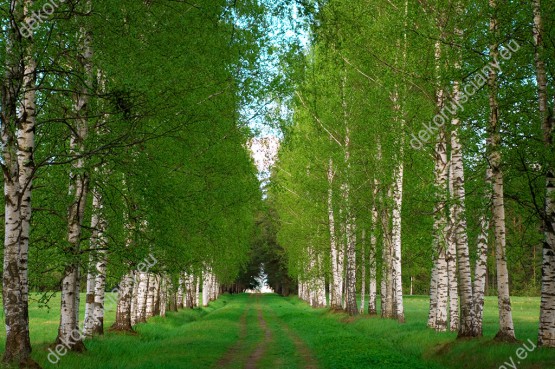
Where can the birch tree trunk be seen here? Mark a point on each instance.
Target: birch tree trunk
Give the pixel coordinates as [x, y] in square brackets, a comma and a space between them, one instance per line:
[134, 298]
[14, 277]
[451, 260]
[151, 296]
[163, 295]
[123, 310]
[506, 329]
[197, 291]
[180, 292]
[78, 191]
[336, 290]
[363, 274]
[386, 292]
[205, 288]
[142, 293]
[89, 297]
[467, 327]
[26, 161]
[99, 229]
[546, 336]
[480, 271]
[373, 287]
[437, 318]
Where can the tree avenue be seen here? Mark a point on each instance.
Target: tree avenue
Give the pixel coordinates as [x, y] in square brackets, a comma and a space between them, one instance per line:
[408, 149]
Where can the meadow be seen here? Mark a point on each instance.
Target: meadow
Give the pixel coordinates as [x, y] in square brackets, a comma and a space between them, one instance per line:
[270, 331]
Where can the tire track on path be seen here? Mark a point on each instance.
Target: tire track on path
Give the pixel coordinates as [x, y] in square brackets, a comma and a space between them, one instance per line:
[308, 359]
[262, 347]
[231, 354]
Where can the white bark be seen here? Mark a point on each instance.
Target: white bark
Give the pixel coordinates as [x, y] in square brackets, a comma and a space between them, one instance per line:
[180, 292]
[363, 274]
[125, 296]
[506, 328]
[163, 295]
[142, 293]
[197, 291]
[151, 296]
[480, 270]
[336, 290]
[546, 336]
[78, 192]
[451, 260]
[18, 166]
[205, 287]
[399, 312]
[439, 283]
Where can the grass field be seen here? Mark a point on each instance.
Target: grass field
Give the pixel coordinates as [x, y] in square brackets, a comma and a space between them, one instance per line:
[269, 331]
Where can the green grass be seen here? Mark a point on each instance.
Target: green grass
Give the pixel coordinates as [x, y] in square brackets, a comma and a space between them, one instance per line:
[200, 338]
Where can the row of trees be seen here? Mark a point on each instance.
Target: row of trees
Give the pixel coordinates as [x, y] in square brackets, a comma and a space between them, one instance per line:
[124, 157]
[423, 127]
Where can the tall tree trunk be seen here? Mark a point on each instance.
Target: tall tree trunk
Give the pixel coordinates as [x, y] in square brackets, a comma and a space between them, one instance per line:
[78, 188]
[467, 326]
[480, 271]
[89, 297]
[142, 293]
[180, 292]
[439, 284]
[17, 149]
[363, 273]
[373, 288]
[99, 228]
[163, 295]
[336, 290]
[26, 161]
[123, 310]
[451, 260]
[151, 296]
[506, 329]
[546, 336]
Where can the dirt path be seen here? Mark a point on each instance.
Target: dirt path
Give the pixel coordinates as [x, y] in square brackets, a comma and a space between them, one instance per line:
[262, 347]
[231, 355]
[309, 362]
[239, 353]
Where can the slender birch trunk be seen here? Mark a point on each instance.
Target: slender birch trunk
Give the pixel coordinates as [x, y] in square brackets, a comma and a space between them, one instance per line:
[180, 292]
[480, 271]
[439, 285]
[123, 310]
[142, 293]
[78, 188]
[134, 299]
[451, 260]
[336, 290]
[151, 296]
[546, 336]
[363, 273]
[100, 279]
[163, 295]
[467, 326]
[387, 298]
[26, 162]
[89, 297]
[396, 241]
[205, 288]
[506, 329]
[197, 291]
[17, 149]
[432, 313]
